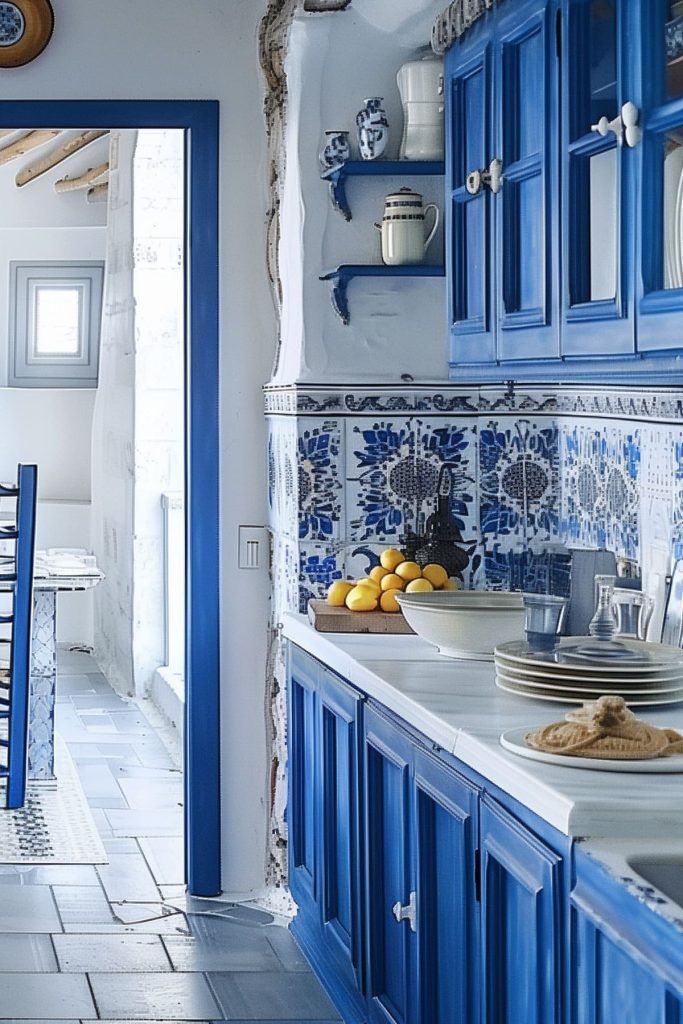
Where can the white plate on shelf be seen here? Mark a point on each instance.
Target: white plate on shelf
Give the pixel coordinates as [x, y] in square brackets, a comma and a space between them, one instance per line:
[673, 171]
[513, 740]
[662, 658]
[651, 681]
[579, 696]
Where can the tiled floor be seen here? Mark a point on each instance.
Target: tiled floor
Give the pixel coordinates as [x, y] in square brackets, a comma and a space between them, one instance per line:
[81, 943]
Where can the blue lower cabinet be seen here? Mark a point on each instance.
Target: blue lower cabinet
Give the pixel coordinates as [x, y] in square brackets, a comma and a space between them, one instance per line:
[303, 782]
[625, 966]
[445, 814]
[521, 889]
[391, 898]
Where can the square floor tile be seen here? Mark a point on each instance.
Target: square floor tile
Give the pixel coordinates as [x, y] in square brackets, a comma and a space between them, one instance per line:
[154, 996]
[85, 905]
[45, 997]
[289, 954]
[110, 953]
[271, 996]
[145, 823]
[26, 953]
[153, 794]
[238, 949]
[166, 859]
[28, 908]
[127, 877]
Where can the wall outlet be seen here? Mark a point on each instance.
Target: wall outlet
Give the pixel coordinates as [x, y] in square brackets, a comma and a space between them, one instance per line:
[253, 547]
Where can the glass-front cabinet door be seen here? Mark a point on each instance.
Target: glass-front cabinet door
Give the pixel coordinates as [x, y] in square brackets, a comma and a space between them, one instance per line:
[659, 264]
[527, 192]
[468, 195]
[598, 180]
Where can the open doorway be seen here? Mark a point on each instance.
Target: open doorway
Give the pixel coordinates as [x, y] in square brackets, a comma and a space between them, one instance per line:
[122, 423]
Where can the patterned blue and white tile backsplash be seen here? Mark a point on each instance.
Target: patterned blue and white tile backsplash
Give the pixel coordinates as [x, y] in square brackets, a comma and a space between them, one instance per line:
[353, 472]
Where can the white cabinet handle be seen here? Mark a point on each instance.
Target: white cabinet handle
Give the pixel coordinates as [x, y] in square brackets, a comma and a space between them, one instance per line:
[491, 178]
[624, 125]
[407, 913]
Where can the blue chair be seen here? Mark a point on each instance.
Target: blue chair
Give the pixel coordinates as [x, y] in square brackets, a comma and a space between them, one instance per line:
[15, 687]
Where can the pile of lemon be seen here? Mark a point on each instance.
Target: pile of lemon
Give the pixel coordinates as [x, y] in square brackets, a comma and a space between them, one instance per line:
[392, 576]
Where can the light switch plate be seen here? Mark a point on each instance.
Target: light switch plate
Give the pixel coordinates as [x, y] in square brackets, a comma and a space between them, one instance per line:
[253, 547]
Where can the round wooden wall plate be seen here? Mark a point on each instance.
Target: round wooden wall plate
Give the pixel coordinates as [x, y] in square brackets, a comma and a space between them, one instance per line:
[25, 30]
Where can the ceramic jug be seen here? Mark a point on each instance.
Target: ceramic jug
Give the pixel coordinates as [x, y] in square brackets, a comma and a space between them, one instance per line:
[420, 83]
[373, 129]
[403, 228]
[336, 150]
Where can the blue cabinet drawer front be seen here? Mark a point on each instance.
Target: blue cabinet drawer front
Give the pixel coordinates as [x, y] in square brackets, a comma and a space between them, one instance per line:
[302, 806]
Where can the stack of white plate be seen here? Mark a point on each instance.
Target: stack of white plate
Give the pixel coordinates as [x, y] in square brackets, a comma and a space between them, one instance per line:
[584, 669]
[673, 219]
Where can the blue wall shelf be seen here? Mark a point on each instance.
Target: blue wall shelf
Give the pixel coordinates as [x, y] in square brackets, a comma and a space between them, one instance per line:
[342, 275]
[374, 168]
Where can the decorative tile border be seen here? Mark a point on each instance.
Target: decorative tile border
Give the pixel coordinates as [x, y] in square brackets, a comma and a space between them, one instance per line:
[647, 404]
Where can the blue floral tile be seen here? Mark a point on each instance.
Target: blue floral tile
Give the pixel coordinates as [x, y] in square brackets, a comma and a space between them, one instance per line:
[397, 471]
[320, 468]
[519, 495]
[285, 577]
[600, 494]
[319, 566]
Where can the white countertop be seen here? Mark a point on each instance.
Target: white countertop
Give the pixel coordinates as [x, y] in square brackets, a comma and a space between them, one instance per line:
[457, 705]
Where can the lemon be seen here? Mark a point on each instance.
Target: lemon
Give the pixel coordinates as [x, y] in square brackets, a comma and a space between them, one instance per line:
[337, 594]
[409, 571]
[388, 602]
[451, 585]
[377, 573]
[361, 599]
[365, 581]
[392, 582]
[390, 558]
[419, 587]
[436, 574]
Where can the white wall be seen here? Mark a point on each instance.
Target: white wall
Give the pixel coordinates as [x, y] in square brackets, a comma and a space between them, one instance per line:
[397, 327]
[204, 49]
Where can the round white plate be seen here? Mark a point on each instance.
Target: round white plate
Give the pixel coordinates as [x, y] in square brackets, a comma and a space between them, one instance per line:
[576, 697]
[607, 687]
[663, 657]
[513, 740]
[663, 681]
[677, 267]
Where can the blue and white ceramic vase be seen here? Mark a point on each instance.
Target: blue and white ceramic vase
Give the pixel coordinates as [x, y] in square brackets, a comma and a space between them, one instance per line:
[336, 150]
[373, 129]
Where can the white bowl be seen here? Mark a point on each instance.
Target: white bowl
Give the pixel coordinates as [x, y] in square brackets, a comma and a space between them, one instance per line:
[465, 623]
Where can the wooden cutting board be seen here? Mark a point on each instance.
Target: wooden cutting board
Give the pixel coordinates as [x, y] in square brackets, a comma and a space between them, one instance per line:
[327, 619]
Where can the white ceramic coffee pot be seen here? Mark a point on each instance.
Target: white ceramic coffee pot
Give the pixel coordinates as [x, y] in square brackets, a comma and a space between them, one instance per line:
[421, 85]
[404, 227]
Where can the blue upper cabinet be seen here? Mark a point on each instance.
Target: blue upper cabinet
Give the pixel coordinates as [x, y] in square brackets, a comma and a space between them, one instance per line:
[598, 195]
[524, 182]
[565, 191]
[502, 187]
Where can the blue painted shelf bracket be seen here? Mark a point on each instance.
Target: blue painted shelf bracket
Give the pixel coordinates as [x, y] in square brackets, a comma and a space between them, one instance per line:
[336, 177]
[342, 275]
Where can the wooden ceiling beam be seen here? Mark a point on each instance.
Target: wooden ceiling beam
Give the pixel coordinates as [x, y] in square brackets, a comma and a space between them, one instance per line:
[56, 156]
[26, 142]
[81, 181]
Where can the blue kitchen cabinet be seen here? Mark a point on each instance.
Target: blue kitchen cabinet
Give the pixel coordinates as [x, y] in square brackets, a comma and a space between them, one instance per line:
[522, 947]
[325, 860]
[564, 199]
[625, 966]
[503, 187]
[422, 914]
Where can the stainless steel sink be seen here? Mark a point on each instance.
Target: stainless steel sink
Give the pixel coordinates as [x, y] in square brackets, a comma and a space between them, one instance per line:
[663, 871]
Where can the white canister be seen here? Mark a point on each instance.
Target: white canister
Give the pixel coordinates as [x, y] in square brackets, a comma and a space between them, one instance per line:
[421, 85]
[403, 228]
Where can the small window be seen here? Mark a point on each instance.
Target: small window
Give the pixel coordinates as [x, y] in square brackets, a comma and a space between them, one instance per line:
[55, 315]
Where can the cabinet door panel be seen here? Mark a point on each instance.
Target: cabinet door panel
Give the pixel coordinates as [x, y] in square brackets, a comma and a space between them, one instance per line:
[526, 206]
[445, 837]
[469, 226]
[341, 888]
[387, 763]
[660, 155]
[520, 922]
[303, 782]
[598, 201]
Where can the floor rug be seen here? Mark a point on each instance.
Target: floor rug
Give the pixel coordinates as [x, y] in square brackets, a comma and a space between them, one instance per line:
[56, 825]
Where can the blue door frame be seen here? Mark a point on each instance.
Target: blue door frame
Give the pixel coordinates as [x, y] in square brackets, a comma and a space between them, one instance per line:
[200, 121]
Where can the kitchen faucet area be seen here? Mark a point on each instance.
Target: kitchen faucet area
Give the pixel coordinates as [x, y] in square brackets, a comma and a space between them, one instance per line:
[341, 511]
